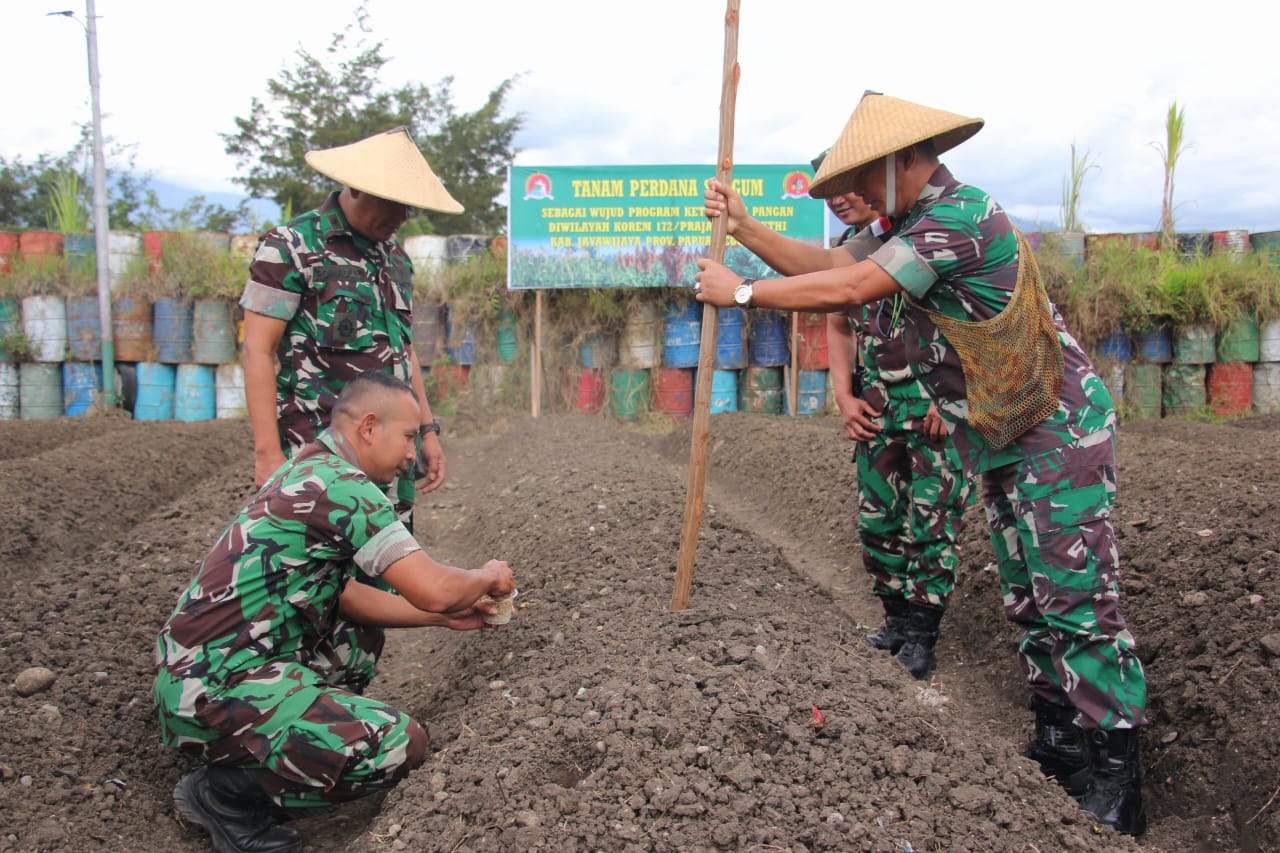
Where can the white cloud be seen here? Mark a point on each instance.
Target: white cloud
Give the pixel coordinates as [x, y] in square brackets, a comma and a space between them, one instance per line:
[602, 83]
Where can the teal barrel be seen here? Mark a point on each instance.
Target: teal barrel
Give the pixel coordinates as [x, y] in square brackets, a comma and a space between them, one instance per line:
[9, 391]
[171, 328]
[1194, 345]
[724, 391]
[682, 334]
[731, 350]
[213, 332]
[10, 323]
[40, 391]
[811, 392]
[84, 331]
[194, 394]
[1142, 389]
[628, 392]
[760, 390]
[81, 250]
[154, 391]
[80, 384]
[505, 336]
[1239, 341]
[1184, 389]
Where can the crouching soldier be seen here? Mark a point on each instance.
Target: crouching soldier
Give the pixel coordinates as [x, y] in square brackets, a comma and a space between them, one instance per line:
[249, 678]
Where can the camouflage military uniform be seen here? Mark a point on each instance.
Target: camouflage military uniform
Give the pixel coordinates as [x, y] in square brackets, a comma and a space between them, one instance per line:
[246, 674]
[1048, 495]
[911, 491]
[347, 302]
[348, 306]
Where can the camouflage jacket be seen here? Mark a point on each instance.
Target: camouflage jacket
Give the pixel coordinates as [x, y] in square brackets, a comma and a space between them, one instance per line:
[956, 253]
[348, 306]
[267, 593]
[882, 355]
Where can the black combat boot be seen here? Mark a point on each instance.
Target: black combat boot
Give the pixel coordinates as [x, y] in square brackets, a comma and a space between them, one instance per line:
[916, 653]
[1114, 795]
[230, 804]
[1059, 746]
[891, 637]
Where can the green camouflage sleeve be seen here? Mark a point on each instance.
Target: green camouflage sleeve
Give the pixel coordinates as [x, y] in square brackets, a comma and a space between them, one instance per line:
[354, 520]
[908, 269]
[275, 285]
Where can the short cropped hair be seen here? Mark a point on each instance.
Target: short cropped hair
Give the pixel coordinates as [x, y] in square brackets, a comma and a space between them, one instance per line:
[362, 394]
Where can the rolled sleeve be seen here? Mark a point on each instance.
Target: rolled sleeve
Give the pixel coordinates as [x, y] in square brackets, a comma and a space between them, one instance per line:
[905, 266]
[390, 545]
[269, 301]
[275, 285]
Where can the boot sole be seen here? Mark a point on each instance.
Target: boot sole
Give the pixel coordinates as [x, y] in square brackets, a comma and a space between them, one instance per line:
[189, 806]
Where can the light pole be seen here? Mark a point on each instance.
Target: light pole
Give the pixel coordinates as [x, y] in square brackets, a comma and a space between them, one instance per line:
[101, 223]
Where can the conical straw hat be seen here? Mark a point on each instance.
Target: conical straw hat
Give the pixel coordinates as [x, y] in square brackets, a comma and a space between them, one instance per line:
[881, 125]
[387, 165]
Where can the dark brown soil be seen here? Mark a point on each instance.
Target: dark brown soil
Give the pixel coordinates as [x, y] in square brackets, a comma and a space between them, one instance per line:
[599, 720]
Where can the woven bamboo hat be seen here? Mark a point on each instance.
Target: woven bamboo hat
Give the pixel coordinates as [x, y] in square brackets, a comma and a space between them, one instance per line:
[387, 165]
[881, 125]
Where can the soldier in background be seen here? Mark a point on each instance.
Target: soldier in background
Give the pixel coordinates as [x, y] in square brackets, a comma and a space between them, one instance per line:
[248, 678]
[912, 491]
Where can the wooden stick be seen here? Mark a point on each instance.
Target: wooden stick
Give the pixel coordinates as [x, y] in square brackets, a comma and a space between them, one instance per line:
[707, 348]
[793, 381]
[535, 356]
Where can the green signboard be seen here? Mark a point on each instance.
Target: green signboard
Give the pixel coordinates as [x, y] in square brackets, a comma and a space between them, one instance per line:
[641, 226]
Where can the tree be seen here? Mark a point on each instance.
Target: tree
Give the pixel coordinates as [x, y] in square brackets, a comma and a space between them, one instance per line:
[24, 201]
[336, 99]
[38, 195]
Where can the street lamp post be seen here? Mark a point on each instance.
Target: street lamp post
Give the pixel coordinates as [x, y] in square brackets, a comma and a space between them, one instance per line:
[101, 224]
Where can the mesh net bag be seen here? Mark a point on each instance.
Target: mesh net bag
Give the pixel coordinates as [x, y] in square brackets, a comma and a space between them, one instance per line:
[1012, 362]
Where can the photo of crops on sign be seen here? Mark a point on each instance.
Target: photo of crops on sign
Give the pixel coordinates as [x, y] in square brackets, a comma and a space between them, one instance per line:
[640, 226]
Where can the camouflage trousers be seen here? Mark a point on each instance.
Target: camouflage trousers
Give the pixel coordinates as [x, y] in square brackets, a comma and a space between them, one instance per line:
[1050, 518]
[318, 744]
[911, 501]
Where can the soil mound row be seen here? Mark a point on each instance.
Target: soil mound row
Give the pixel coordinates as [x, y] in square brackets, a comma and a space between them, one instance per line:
[597, 720]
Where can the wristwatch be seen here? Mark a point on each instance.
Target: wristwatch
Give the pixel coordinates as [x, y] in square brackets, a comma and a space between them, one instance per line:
[434, 426]
[742, 296]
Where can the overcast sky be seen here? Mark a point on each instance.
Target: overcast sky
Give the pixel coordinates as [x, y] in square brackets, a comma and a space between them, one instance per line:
[604, 83]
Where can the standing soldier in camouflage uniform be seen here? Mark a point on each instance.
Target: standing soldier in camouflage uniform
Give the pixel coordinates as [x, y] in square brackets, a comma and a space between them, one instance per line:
[329, 297]
[912, 492]
[247, 679]
[1025, 408]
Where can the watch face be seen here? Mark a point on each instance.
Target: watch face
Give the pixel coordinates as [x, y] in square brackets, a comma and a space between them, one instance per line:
[743, 294]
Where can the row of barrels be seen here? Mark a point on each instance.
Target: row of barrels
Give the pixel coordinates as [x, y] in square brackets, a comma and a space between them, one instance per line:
[169, 331]
[1161, 373]
[670, 390]
[1224, 389]
[150, 391]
